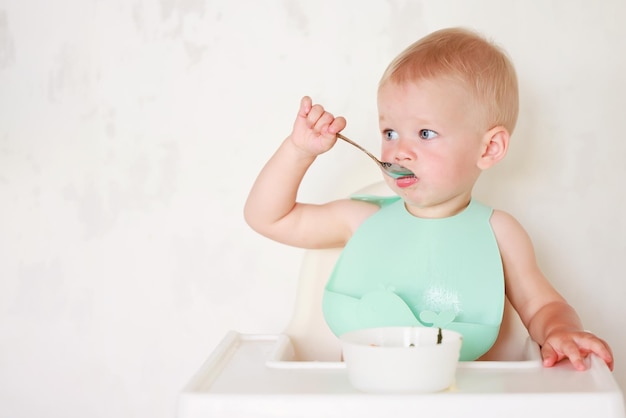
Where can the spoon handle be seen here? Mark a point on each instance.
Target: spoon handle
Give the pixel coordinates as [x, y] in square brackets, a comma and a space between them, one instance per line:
[349, 141]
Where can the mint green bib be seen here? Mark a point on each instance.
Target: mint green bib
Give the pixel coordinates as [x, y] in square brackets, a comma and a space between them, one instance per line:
[400, 270]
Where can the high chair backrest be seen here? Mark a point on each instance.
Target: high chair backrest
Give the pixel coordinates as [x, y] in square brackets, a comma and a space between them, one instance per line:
[314, 341]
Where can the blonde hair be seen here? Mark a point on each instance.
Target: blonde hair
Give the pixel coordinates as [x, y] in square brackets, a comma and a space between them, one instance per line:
[465, 56]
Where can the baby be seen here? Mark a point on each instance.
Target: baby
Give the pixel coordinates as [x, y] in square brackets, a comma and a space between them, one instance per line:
[447, 107]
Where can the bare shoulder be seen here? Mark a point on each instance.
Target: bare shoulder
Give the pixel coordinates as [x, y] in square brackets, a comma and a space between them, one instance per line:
[353, 212]
[509, 231]
[516, 248]
[502, 221]
[526, 286]
[328, 225]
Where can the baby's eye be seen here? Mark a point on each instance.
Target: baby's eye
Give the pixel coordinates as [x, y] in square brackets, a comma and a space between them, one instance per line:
[390, 135]
[427, 134]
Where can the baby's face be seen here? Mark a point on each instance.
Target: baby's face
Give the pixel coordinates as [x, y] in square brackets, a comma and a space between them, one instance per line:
[432, 128]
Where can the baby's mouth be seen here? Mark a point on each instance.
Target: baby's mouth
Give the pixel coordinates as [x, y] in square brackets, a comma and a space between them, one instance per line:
[406, 181]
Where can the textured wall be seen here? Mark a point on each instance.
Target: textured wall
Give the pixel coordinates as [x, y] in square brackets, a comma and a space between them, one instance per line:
[131, 131]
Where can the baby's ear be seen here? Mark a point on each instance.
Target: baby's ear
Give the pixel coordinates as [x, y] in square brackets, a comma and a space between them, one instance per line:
[495, 144]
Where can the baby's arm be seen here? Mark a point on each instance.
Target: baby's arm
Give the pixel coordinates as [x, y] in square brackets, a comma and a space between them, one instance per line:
[272, 208]
[550, 320]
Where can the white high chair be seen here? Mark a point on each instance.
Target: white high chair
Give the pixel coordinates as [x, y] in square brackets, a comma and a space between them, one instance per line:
[299, 373]
[310, 336]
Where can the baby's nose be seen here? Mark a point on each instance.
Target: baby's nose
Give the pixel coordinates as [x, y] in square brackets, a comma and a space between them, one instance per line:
[404, 150]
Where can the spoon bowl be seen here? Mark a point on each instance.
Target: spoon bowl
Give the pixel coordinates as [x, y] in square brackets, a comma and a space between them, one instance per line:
[392, 170]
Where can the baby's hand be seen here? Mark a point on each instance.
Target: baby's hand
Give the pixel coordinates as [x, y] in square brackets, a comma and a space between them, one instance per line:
[315, 129]
[575, 346]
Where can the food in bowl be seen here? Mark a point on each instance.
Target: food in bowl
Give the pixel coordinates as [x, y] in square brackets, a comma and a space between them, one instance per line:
[401, 359]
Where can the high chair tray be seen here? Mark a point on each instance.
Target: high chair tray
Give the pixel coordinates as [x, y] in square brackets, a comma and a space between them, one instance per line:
[255, 376]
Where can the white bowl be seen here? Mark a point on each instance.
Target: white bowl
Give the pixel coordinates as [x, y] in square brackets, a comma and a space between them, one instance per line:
[401, 359]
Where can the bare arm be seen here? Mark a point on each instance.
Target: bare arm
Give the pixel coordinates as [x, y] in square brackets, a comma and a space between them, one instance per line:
[550, 320]
[272, 208]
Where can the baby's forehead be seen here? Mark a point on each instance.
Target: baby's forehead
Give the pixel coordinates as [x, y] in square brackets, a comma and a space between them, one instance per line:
[435, 99]
[440, 88]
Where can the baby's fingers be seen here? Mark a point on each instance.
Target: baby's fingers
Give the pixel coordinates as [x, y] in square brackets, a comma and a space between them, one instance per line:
[319, 119]
[576, 349]
[305, 106]
[337, 125]
[315, 117]
[572, 351]
[589, 343]
[569, 350]
[549, 355]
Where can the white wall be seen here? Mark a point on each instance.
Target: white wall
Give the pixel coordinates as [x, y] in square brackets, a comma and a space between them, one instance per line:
[131, 131]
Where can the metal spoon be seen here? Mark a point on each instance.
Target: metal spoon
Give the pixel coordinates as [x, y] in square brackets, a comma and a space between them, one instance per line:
[393, 170]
